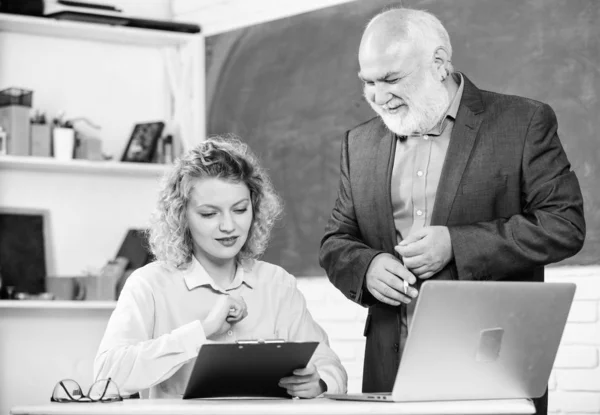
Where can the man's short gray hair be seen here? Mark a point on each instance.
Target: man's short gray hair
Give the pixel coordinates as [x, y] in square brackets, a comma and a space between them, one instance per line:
[420, 27]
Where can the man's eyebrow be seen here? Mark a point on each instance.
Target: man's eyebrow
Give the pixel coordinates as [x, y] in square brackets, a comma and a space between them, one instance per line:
[381, 78]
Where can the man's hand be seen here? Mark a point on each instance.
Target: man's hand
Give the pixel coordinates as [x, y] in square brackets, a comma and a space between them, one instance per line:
[227, 311]
[305, 383]
[426, 251]
[385, 280]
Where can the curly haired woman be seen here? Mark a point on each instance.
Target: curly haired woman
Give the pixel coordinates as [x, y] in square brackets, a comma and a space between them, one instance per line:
[214, 216]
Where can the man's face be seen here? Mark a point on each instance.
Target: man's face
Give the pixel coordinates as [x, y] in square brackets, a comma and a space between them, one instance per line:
[400, 85]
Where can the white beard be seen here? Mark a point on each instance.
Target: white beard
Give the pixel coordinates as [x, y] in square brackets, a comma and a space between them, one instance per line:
[426, 102]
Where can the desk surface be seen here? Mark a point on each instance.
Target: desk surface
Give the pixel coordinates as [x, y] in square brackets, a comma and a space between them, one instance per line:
[271, 407]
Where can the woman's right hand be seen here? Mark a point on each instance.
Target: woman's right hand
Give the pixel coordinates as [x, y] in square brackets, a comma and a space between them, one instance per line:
[226, 312]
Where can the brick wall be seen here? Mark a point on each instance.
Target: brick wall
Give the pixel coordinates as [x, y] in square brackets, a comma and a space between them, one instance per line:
[574, 382]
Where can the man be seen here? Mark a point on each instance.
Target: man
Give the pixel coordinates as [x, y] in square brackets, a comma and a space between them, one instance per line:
[448, 182]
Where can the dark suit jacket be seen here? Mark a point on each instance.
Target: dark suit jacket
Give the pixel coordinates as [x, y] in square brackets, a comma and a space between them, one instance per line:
[506, 194]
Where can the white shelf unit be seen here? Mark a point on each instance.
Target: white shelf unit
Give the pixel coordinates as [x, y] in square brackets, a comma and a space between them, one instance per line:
[49, 164]
[191, 122]
[91, 204]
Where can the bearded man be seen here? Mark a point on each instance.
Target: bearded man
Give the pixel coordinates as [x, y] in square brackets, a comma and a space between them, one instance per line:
[449, 182]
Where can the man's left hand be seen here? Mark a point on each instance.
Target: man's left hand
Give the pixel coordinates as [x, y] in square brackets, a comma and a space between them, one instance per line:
[305, 383]
[426, 251]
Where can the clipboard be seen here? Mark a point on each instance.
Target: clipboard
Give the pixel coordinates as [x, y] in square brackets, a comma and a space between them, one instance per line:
[247, 368]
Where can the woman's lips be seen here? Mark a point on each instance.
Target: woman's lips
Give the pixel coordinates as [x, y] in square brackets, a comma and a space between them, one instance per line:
[229, 241]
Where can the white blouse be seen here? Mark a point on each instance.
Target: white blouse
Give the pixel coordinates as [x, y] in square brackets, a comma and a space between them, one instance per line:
[155, 331]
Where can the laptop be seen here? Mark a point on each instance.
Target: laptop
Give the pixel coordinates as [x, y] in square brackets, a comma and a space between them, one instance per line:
[475, 340]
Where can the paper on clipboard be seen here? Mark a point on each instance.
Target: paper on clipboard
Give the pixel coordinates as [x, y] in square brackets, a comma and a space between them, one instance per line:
[246, 369]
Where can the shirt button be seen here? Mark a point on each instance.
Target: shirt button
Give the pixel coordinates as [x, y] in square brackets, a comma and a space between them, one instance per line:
[425, 137]
[419, 212]
[230, 333]
[419, 173]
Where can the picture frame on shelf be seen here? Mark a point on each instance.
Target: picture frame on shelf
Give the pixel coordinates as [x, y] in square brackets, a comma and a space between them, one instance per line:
[142, 143]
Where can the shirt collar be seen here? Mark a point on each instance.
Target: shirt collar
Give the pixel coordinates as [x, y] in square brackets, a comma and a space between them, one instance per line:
[455, 104]
[196, 276]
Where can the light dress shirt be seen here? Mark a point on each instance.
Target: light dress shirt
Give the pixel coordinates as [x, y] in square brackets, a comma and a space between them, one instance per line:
[155, 332]
[416, 173]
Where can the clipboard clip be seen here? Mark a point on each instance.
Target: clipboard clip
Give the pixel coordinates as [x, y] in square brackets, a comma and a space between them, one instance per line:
[260, 341]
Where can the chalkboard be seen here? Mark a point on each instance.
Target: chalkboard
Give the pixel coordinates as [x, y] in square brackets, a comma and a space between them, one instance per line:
[290, 89]
[25, 258]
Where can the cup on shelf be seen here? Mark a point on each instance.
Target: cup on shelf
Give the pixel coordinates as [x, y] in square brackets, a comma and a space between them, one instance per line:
[63, 143]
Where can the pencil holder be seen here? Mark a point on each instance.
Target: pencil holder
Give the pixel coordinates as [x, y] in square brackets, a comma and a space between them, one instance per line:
[63, 143]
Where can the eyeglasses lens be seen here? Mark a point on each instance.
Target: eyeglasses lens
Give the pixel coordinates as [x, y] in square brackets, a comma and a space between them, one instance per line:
[104, 390]
[67, 390]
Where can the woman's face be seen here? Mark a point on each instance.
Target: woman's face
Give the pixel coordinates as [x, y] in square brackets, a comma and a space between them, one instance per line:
[219, 214]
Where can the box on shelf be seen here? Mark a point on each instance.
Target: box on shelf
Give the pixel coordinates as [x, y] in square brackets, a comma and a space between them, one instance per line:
[15, 106]
[14, 119]
[88, 148]
[66, 288]
[103, 286]
[41, 140]
[3, 136]
[16, 96]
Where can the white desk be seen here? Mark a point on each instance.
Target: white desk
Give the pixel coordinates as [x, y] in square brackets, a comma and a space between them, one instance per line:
[275, 407]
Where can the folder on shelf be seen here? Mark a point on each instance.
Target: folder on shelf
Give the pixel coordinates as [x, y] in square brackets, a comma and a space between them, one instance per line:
[250, 368]
[93, 13]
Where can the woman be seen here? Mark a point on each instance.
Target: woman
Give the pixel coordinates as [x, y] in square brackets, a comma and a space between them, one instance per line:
[214, 217]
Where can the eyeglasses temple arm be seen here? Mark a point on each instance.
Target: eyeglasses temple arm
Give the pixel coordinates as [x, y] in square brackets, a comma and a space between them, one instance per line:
[62, 385]
[105, 389]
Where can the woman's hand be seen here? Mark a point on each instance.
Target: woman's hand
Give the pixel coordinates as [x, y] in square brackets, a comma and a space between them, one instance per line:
[225, 313]
[305, 383]
[237, 310]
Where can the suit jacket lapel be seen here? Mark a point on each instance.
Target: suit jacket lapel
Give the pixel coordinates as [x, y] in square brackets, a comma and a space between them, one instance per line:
[462, 141]
[384, 215]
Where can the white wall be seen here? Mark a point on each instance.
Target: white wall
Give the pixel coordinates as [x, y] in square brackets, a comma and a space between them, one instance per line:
[217, 16]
